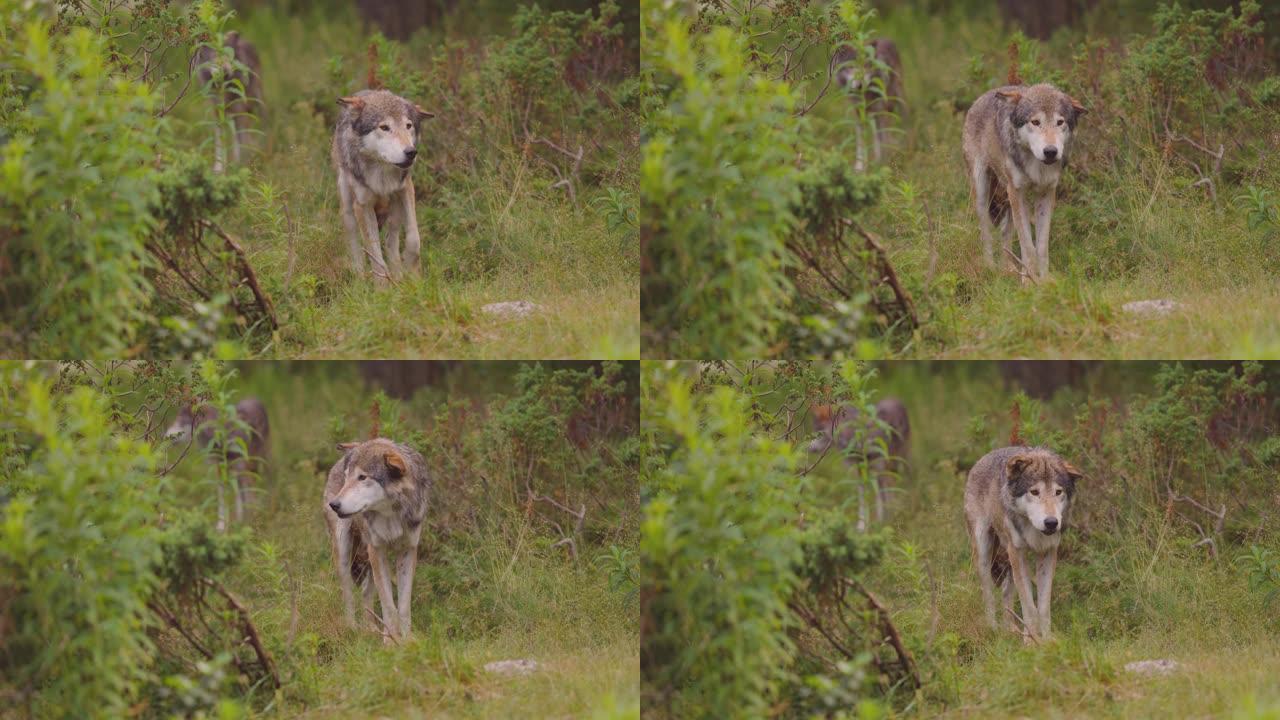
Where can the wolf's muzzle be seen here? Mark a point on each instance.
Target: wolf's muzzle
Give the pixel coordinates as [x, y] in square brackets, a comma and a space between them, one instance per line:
[1050, 154]
[1050, 526]
[334, 507]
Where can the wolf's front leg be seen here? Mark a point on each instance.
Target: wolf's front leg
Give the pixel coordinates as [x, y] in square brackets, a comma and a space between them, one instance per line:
[1022, 583]
[351, 227]
[342, 564]
[1022, 224]
[412, 242]
[372, 247]
[1044, 588]
[391, 239]
[1044, 213]
[382, 580]
[404, 586]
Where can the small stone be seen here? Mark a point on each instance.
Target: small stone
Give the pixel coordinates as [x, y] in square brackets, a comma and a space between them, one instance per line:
[1151, 307]
[511, 667]
[1152, 667]
[513, 309]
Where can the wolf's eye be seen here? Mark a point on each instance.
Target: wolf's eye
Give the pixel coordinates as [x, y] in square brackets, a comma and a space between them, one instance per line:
[1059, 122]
[1036, 123]
[362, 476]
[1058, 491]
[385, 127]
[409, 125]
[1036, 493]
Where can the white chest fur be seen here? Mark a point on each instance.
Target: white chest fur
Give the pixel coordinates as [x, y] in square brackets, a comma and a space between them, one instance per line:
[384, 179]
[385, 528]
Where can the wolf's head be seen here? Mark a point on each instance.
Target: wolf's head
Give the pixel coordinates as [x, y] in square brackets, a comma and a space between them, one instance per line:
[388, 126]
[1042, 485]
[371, 475]
[1044, 118]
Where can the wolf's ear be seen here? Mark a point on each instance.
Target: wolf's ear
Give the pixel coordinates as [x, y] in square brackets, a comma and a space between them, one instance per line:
[343, 447]
[1014, 467]
[1075, 105]
[353, 102]
[395, 465]
[1072, 472]
[1010, 96]
[423, 113]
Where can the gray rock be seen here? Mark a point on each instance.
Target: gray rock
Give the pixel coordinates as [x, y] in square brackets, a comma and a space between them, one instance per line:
[513, 309]
[512, 667]
[1151, 307]
[1152, 667]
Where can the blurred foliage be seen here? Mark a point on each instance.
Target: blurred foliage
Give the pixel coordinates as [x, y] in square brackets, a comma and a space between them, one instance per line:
[732, 185]
[748, 559]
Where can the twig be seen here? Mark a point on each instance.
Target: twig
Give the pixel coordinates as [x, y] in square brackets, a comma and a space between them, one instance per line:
[904, 657]
[251, 632]
[264, 302]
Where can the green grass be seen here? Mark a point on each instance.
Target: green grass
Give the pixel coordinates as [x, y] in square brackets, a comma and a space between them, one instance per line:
[1132, 591]
[495, 231]
[495, 591]
[1151, 237]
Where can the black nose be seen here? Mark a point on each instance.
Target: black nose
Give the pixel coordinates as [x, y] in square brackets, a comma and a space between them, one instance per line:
[1051, 524]
[410, 154]
[334, 505]
[1050, 152]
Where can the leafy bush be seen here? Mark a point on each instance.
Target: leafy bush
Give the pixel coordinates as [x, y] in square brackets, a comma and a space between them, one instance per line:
[749, 562]
[77, 556]
[76, 190]
[717, 186]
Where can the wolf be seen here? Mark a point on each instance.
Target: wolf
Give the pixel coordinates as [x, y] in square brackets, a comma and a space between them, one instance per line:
[878, 85]
[238, 93]
[375, 502]
[374, 145]
[1016, 143]
[242, 445]
[1016, 503]
[882, 442]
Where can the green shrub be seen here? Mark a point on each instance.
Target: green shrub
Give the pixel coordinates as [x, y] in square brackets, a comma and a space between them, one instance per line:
[77, 557]
[76, 189]
[717, 187]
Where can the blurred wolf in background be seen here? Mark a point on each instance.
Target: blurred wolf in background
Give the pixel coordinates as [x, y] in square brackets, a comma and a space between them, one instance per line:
[374, 145]
[882, 442]
[376, 500]
[237, 92]
[1016, 143]
[878, 84]
[242, 445]
[1016, 502]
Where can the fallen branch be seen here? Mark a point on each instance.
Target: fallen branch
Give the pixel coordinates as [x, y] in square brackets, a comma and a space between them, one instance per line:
[904, 299]
[264, 303]
[891, 632]
[250, 631]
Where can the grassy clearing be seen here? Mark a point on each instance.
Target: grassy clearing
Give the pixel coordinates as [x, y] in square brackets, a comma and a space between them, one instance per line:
[493, 229]
[1135, 591]
[493, 592]
[1150, 236]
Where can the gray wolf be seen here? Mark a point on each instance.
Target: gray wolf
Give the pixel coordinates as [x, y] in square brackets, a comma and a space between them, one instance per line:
[873, 80]
[243, 445]
[882, 442]
[374, 145]
[237, 92]
[375, 502]
[1016, 504]
[1016, 143]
